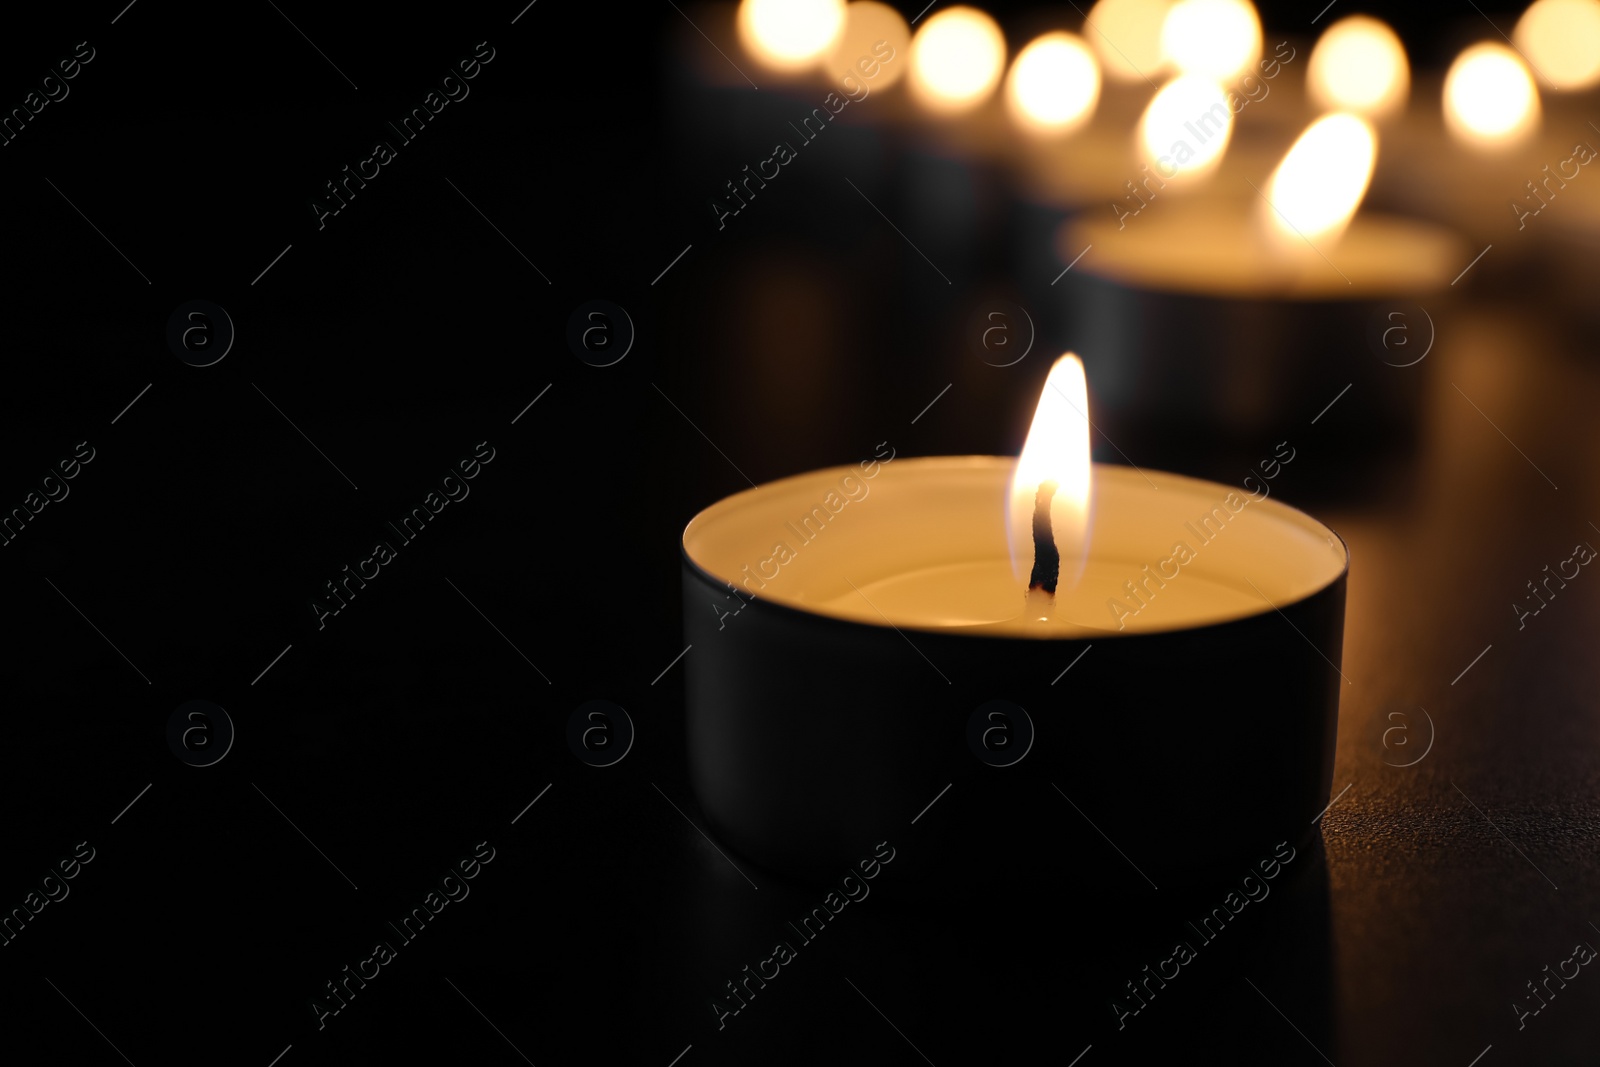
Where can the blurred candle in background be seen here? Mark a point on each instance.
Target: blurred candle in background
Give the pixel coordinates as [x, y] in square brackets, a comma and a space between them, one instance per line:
[1561, 39]
[790, 35]
[1186, 127]
[1216, 39]
[1054, 85]
[1359, 65]
[1490, 101]
[867, 23]
[1217, 313]
[956, 60]
[1126, 34]
[1315, 191]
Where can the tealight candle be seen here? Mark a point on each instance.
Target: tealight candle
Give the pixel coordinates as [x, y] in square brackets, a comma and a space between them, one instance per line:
[1215, 39]
[1561, 39]
[790, 35]
[869, 26]
[1469, 145]
[1054, 84]
[1269, 296]
[1490, 101]
[1127, 36]
[1359, 65]
[860, 615]
[957, 57]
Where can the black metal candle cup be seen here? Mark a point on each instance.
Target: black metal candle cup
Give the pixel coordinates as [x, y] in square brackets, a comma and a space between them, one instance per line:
[857, 646]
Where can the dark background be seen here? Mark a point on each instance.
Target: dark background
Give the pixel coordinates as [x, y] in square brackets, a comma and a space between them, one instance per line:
[416, 724]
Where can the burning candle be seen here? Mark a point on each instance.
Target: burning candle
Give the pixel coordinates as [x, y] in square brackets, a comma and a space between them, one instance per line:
[1359, 65]
[1127, 36]
[1216, 39]
[926, 587]
[1463, 163]
[1049, 580]
[956, 60]
[869, 25]
[1561, 39]
[1305, 217]
[1054, 84]
[1186, 128]
[1490, 101]
[1269, 295]
[790, 35]
[1315, 191]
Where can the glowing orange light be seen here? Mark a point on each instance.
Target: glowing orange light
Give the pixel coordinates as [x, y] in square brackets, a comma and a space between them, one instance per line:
[1359, 65]
[1126, 34]
[1216, 39]
[1186, 127]
[956, 59]
[1561, 39]
[1490, 100]
[1054, 84]
[1317, 188]
[790, 34]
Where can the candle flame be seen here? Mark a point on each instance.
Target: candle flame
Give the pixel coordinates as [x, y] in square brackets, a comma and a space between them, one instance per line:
[790, 35]
[1490, 100]
[1215, 39]
[1127, 35]
[1186, 126]
[957, 58]
[1057, 450]
[1316, 189]
[1561, 39]
[875, 38]
[1054, 84]
[1359, 65]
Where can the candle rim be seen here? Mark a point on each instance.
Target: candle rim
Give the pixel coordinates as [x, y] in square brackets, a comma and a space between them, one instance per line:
[975, 462]
[1432, 250]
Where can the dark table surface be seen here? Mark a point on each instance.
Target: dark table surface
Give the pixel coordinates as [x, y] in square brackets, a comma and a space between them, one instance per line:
[428, 718]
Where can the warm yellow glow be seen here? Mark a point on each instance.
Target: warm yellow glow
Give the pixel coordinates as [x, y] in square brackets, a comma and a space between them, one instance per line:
[790, 34]
[1126, 34]
[1316, 189]
[1561, 39]
[1057, 450]
[1217, 39]
[1359, 65]
[1489, 97]
[956, 59]
[875, 38]
[1186, 127]
[1054, 84]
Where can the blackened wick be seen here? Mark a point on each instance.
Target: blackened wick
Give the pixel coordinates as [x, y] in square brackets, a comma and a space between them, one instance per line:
[1046, 559]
